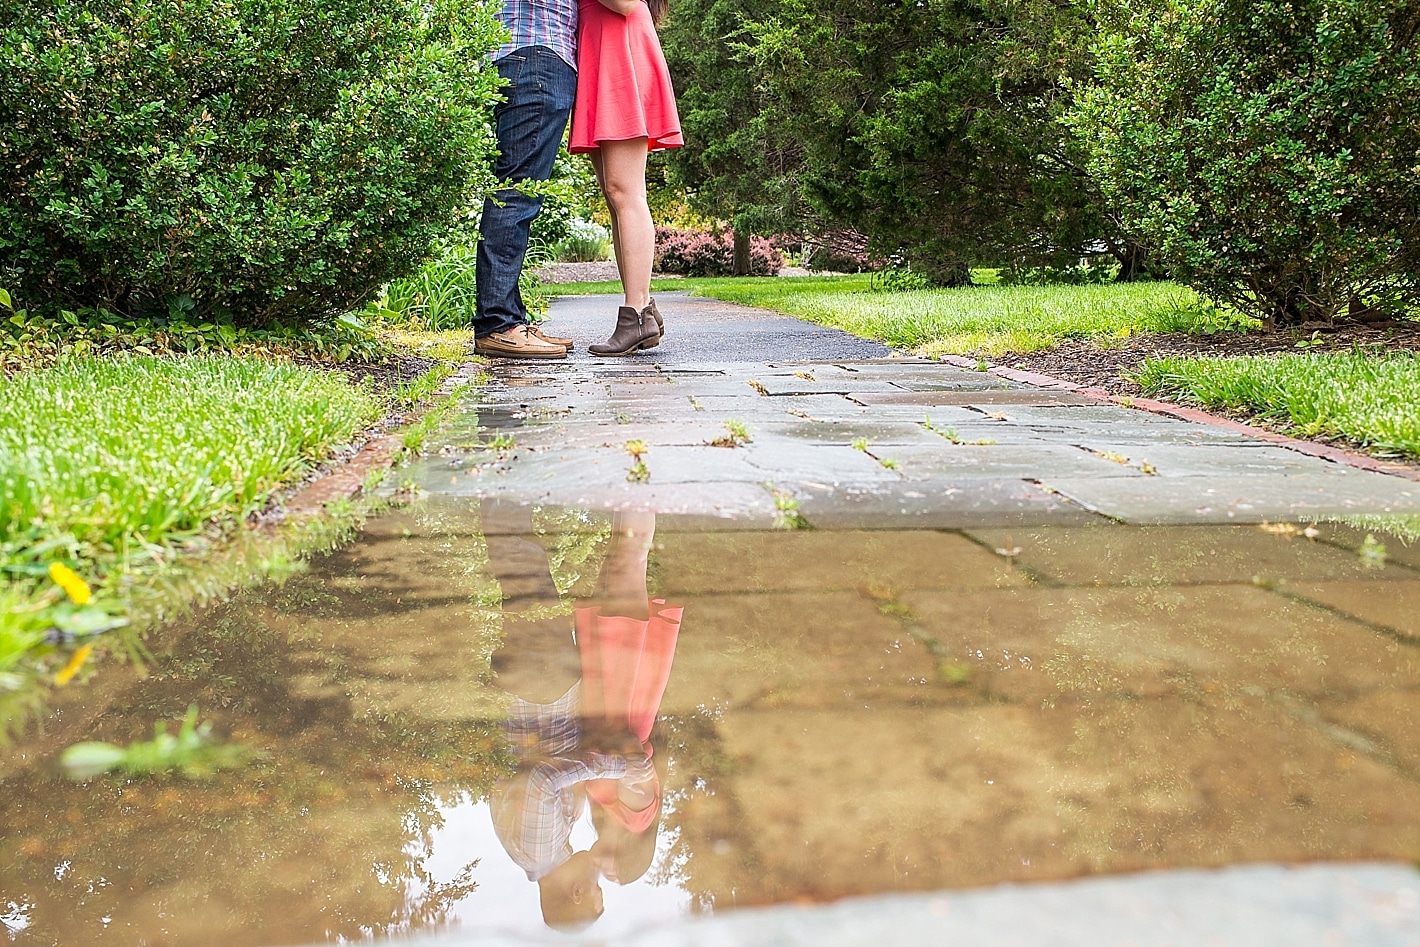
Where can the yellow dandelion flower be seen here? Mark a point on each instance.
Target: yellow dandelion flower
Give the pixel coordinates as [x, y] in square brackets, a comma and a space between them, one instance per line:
[77, 661]
[68, 580]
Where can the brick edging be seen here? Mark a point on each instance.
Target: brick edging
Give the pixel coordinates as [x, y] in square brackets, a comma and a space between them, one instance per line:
[344, 480]
[1311, 448]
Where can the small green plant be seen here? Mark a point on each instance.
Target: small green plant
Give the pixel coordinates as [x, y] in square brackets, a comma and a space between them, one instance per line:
[639, 472]
[501, 442]
[417, 390]
[860, 443]
[951, 437]
[1372, 553]
[786, 509]
[191, 752]
[415, 436]
[696, 404]
[623, 418]
[736, 435]
[888, 462]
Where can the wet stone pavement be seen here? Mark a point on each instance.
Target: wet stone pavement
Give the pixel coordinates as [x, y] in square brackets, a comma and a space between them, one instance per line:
[850, 436]
[1017, 692]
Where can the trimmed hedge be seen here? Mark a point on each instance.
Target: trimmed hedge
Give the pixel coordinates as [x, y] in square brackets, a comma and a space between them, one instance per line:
[1267, 151]
[245, 160]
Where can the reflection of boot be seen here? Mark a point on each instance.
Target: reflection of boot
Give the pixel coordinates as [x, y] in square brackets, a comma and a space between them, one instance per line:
[634, 330]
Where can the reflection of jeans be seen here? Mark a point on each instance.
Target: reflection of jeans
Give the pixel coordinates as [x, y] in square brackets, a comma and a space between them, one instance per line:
[540, 91]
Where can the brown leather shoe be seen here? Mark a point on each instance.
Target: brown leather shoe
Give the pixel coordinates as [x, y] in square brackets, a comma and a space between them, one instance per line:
[517, 342]
[567, 344]
[634, 330]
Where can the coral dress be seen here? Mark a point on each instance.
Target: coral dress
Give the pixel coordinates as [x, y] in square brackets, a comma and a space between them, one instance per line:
[623, 86]
[626, 664]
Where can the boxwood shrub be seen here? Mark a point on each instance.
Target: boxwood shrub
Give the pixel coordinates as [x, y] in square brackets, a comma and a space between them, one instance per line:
[245, 160]
[1268, 151]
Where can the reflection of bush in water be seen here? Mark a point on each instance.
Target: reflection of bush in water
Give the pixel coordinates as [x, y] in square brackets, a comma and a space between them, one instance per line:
[579, 547]
[696, 806]
[328, 836]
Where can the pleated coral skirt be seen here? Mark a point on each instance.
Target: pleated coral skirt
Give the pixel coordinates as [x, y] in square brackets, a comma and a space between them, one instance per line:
[623, 86]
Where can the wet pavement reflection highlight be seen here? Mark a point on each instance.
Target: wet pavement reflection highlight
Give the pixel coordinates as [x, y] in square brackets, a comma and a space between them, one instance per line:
[491, 717]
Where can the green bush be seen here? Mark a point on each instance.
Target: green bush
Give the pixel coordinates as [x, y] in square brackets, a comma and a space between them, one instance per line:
[586, 242]
[1267, 151]
[442, 295]
[29, 340]
[255, 160]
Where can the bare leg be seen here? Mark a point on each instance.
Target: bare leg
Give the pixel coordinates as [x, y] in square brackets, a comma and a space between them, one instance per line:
[596, 157]
[623, 179]
[622, 584]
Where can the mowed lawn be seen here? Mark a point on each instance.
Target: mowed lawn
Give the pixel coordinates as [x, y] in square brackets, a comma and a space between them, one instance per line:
[109, 465]
[1369, 398]
[988, 320]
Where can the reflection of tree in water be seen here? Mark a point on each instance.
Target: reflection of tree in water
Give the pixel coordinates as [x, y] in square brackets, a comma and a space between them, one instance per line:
[698, 805]
[329, 835]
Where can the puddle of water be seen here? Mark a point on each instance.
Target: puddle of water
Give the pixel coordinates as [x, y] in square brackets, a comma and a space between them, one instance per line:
[471, 717]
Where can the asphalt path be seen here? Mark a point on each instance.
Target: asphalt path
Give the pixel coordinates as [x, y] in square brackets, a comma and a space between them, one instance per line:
[699, 329]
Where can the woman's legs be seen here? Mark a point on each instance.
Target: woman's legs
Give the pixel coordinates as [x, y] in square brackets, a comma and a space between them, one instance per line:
[621, 171]
[596, 157]
[621, 589]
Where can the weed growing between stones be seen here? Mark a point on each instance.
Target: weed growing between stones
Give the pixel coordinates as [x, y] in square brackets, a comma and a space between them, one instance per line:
[639, 472]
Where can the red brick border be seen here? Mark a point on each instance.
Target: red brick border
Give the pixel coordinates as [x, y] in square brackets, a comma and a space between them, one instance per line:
[345, 481]
[1311, 448]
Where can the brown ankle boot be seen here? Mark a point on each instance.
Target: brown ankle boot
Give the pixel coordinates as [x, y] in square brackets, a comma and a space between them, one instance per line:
[633, 331]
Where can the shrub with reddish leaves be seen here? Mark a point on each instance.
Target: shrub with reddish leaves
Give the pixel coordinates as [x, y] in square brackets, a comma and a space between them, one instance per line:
[708, 253]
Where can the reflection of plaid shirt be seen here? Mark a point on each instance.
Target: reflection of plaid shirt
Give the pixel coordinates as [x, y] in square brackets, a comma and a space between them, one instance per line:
[534, 810]
[550, 23]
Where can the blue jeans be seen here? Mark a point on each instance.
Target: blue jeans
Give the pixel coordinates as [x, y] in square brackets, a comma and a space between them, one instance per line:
[540, 92]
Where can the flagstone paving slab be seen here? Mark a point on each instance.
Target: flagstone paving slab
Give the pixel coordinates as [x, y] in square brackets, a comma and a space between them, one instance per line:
[943, 446]
[1392, 605]
[699, 564]
[1192, 460]
[936, 504]
[1226, 497]
[1034, 461]
[1190, 555]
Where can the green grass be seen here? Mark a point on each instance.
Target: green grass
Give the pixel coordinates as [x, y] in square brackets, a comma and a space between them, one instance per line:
[1367, 398]
[978, 319]
[104, 461]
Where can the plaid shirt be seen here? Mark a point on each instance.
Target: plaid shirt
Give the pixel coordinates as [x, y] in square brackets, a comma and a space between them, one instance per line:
[550, 23]
[535, 809]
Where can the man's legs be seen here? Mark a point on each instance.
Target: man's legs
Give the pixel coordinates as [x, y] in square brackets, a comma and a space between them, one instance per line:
[540, 93]
[538, 661]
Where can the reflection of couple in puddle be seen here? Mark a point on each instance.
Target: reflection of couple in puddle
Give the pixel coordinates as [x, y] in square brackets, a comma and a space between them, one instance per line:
[585, 691]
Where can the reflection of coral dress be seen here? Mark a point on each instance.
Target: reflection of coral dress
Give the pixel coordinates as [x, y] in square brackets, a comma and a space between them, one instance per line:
[623, 86]
[626, 664]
